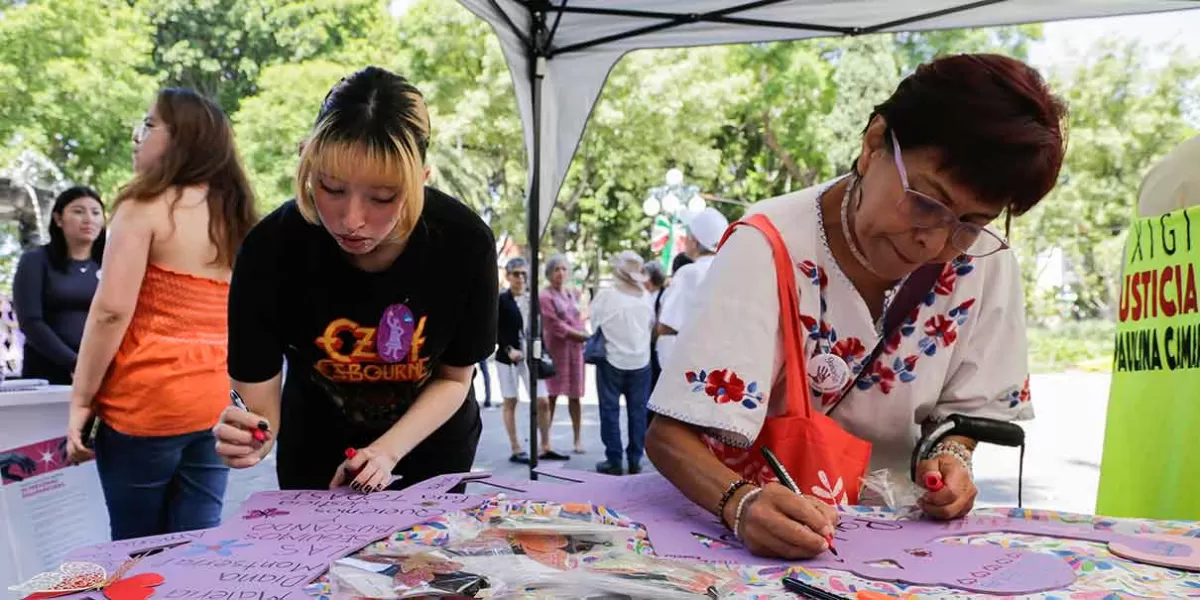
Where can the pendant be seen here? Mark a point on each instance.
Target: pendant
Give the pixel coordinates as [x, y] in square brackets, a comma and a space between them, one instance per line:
[395, 333]
[828, 373]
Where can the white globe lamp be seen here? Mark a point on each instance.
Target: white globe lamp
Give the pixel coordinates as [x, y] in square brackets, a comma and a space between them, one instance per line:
[670, 203]
[651, 206]
[674, 177]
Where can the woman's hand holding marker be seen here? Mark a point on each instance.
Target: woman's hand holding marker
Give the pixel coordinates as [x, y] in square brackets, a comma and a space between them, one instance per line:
[365, 470]
[242, 436]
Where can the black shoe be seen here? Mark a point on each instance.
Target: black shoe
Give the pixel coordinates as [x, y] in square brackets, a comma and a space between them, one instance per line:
[608, 468]
[635, 468]
[552, 455]
[521, 458]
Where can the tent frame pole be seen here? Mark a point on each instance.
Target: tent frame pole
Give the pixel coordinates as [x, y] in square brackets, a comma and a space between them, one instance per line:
[537, 44]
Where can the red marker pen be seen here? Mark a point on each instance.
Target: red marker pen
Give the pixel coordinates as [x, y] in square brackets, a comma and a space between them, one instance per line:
[260, 434]
[829, 540]
[933, 482]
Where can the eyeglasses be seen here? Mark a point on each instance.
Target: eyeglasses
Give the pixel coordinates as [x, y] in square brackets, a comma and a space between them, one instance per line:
[925, 212]
[521, 274]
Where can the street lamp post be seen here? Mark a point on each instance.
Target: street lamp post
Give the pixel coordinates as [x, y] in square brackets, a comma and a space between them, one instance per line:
[672, 199]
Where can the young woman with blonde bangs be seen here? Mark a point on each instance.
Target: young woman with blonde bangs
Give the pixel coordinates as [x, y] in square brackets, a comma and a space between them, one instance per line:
[380, 291]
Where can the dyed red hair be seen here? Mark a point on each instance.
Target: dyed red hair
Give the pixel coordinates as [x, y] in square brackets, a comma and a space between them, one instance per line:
[995, 122]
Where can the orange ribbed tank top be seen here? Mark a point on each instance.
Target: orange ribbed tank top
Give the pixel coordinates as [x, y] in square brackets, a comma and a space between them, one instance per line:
[169, 374]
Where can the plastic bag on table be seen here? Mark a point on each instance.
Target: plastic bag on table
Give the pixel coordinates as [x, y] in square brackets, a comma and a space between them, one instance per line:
[544, 519]
[636, 576]
[891, 489]
[420, 575]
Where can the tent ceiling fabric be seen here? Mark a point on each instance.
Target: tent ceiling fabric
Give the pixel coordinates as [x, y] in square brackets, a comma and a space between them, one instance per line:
[581, 56]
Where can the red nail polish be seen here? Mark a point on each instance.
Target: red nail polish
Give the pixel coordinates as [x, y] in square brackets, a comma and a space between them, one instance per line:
[259, 435]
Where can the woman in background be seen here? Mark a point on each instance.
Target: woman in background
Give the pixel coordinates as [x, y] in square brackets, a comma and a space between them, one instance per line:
[152, 362]
[565, 335]
[54, 285]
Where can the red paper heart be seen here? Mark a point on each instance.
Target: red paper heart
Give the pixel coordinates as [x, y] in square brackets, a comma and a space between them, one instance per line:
[137, 587]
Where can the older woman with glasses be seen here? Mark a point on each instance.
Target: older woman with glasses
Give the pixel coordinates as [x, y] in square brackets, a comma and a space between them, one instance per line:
[963, 141]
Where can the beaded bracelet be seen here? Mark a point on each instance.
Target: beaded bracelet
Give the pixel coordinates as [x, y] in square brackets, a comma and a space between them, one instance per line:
[741, 508]
[956, 450]
[727, 496]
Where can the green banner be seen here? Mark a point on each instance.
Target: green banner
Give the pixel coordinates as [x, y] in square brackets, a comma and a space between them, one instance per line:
[1151, 465]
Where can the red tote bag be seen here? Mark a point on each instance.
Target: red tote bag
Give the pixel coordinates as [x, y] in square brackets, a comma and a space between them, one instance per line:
[826, 461]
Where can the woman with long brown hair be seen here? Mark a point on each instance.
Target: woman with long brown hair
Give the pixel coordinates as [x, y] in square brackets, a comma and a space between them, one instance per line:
[152, 362]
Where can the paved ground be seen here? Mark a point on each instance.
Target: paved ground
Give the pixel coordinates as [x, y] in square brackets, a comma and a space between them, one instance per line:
[1062, 465]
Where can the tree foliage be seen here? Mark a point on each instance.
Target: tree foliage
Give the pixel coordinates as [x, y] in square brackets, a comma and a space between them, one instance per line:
[221, 47]
[74, 85]
[1125, 113]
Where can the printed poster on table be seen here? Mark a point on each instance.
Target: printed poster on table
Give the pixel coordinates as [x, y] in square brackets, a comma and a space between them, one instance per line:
[49, 507]
[1151, 462]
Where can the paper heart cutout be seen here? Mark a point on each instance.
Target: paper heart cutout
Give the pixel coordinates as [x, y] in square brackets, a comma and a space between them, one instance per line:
[1171, 551]
[136, 587]
[70, 577]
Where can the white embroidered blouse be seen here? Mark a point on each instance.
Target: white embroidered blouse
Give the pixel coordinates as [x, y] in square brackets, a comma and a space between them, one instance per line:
[962, 350]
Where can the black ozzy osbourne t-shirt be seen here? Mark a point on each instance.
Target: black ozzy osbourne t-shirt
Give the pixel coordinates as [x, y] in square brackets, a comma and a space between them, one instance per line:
[361, 346]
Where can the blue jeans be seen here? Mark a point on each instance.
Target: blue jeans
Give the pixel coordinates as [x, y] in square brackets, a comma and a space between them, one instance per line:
[611, 384]
[157, 485]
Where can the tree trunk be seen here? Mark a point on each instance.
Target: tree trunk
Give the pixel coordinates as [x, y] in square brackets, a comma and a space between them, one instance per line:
[772, 141]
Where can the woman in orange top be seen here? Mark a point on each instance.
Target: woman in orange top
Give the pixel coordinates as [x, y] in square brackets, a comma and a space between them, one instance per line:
[152, 362]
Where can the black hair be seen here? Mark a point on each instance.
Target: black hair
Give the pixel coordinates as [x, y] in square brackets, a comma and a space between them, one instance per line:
[56, 250]
[376, 105]
[681, 259]
[654, 271]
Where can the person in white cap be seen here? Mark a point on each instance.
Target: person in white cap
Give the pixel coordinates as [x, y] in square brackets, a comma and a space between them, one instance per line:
[623, 316]
[704, 231]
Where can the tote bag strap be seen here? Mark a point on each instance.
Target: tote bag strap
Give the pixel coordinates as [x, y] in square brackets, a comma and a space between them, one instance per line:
[799, 399]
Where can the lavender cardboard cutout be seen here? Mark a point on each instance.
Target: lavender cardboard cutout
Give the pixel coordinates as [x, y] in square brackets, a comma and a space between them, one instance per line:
[279, 541]
[912, 547]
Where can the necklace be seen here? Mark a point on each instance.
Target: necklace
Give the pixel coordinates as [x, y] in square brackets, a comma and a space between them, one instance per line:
[858, 255]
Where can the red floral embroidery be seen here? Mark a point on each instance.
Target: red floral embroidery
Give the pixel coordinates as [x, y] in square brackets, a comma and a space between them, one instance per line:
[849, 348]
[814, 272]
[945, 282]
[725, 386]
[1025, 391]
[884, 376]
[942, 329]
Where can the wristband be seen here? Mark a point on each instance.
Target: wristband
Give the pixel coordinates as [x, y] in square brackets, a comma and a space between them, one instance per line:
[741, 508]
[727, 496]
[956, 450]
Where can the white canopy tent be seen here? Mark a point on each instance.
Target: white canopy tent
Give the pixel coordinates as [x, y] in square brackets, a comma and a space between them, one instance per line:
[561, 51]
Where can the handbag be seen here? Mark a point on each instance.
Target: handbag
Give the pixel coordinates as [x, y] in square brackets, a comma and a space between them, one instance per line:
[825, 460]
[545, 367]
[595, 351]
